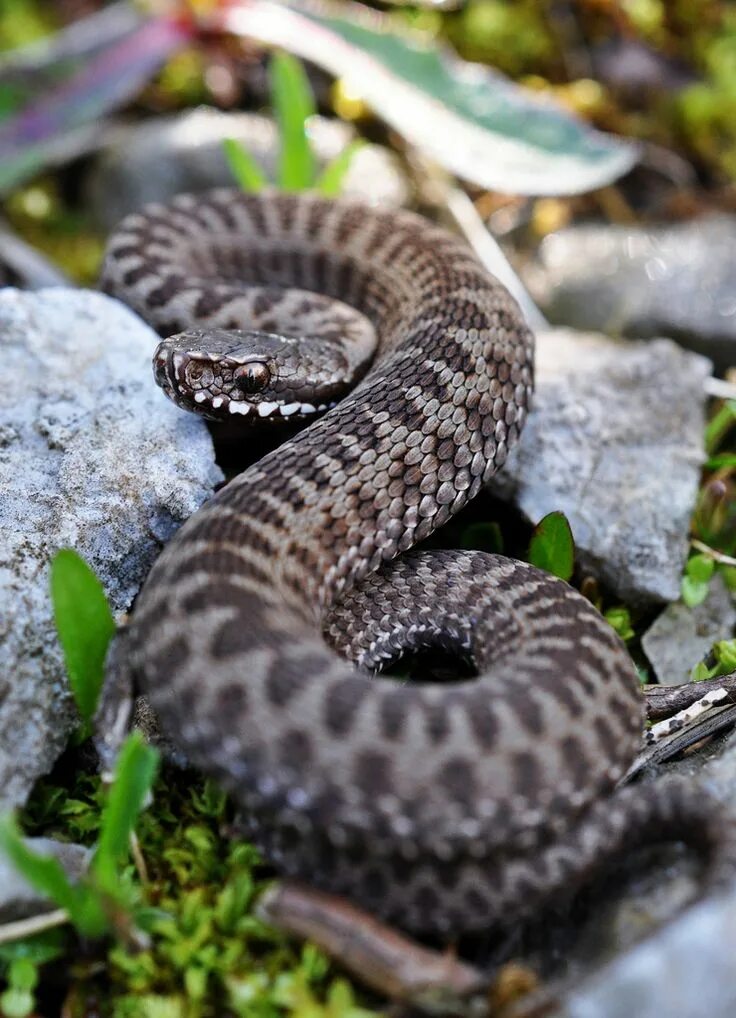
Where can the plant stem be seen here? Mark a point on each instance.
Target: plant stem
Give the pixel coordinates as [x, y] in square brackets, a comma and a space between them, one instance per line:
[34, 924]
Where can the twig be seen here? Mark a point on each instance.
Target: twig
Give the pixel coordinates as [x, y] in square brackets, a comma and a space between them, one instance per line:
[716, 720]
[663, 701]
[717, 556]
[688, 716]
[465, 216]
[34, 924]
[33, 268]
[438, 188]
[719, 388]
[378, 955]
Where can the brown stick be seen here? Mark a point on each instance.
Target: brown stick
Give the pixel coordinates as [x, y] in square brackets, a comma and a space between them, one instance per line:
[380, 957]
[665, 700]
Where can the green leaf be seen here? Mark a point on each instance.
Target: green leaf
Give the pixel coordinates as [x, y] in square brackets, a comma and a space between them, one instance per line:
[551, 547]
[43, 872]
[244, 168]
[725, 651]
[134, 776]
[23, 974]
[700, 568]
[330, 181]
[619, 618]
[694, 592]
[293, 104]
[15, 1003]
[466, 117]
[47, 875]
[695, 583]
[84, 625]
[701, 672]
[39, 948]
[723, 459]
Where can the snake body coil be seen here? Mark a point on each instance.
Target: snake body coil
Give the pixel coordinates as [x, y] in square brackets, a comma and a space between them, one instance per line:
[440, 806]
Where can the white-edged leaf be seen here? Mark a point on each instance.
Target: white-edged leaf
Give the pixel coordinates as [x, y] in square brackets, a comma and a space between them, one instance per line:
[470, 119]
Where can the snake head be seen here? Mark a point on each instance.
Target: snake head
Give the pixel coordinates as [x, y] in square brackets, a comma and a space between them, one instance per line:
[226, 374]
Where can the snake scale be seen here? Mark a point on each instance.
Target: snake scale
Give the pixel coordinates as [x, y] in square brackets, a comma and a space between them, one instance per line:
[262, 626]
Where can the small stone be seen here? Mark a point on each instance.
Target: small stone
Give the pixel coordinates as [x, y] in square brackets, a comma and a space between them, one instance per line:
[677, 281]
[92, 457]
[684, 971]
[18, 898]
[681, 637]
[164, 156]
[615, 441]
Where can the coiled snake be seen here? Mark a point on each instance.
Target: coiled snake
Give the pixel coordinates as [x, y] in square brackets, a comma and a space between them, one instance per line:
[442, 807]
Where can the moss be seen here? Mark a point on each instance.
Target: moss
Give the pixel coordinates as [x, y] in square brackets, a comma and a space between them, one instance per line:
[208, 954]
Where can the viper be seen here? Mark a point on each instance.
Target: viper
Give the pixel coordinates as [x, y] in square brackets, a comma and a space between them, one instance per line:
[264, 629]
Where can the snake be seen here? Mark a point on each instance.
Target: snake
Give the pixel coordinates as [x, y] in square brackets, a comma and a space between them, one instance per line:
[265, 632]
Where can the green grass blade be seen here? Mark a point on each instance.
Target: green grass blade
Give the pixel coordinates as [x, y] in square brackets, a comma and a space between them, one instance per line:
[293, 104]
[134, 776]
[244, 168]
[552, 547]
[330, 181]
[46, 874]
[43, 872]
[721, 460]
[84, 624]
[718, 428]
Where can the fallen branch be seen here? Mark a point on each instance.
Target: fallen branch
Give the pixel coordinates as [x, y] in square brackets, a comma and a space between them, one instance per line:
[378, 955]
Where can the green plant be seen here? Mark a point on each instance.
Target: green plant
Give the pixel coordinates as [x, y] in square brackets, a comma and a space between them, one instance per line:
[724, 653]
[619, 618]
[719, 426]
[552, 547]
[293, 104]
[696, 581]
[84, 625]
[104, 900]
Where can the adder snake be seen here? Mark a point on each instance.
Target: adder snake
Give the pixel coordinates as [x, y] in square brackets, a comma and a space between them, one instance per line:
[443, 807]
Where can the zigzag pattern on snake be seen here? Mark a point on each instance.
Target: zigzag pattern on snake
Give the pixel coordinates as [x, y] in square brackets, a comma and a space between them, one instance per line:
[259, 627]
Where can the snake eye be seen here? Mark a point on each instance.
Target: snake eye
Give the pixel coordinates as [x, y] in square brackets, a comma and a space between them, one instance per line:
[252, 377]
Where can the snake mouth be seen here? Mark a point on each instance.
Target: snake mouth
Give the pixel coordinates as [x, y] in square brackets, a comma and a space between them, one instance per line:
[212, 387]
[273, 410]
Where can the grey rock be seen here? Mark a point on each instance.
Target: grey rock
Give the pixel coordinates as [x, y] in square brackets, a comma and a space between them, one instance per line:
[677, 281]
[91, 457]
[164, 156]
[685, 971]
[685, 968]
[615, 441]
[17, 897]
[680, 637]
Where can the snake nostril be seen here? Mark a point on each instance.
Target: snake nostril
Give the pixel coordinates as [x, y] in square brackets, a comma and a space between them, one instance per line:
[199, 374]
[252, 377]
